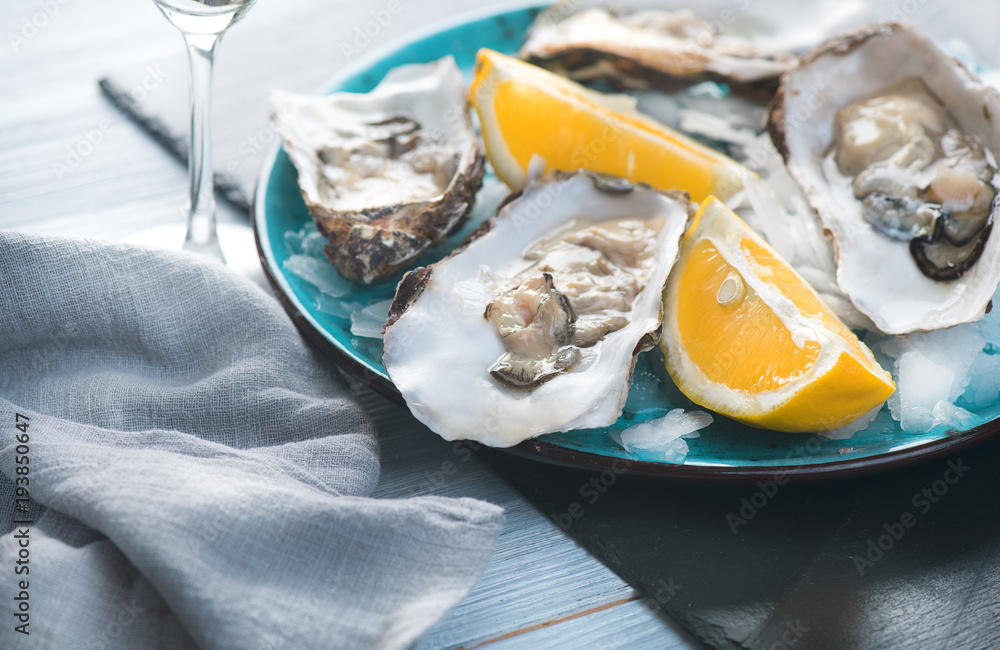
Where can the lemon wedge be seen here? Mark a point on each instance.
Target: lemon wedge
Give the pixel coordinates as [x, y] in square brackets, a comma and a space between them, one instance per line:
[526, 111]
[746, 336]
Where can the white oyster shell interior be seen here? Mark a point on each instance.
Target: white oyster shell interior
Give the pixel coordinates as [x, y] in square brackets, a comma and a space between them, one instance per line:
[439, 351]
[878, 274]
[401, 143]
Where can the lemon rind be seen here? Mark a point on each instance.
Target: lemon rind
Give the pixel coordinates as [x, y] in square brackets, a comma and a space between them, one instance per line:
[743, 405]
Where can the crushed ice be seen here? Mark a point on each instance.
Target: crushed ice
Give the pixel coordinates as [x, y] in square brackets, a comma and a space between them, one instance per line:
[941, 377]
[370, 321]
[934, 371]
[319, 273]
[848, 430]
[664, 436]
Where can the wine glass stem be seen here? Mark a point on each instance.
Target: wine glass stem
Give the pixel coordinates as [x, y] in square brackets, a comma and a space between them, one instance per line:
[201, 234]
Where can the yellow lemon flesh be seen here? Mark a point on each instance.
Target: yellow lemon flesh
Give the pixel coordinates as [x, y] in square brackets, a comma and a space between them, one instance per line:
[746, 336]
[525, 111]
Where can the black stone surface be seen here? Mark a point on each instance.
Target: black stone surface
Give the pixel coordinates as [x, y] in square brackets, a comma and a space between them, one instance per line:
[905, 559]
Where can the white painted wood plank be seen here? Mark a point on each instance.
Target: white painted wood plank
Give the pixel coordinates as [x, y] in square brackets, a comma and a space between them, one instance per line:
[49, 98]
[622, 626]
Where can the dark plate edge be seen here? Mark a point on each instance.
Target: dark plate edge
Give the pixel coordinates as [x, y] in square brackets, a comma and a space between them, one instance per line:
[547, 452]
[813, 473]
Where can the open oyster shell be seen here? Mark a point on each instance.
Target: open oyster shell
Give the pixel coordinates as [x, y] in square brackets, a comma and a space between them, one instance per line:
[387, 173]
[443, 346]
[649, 48]
[879, 236]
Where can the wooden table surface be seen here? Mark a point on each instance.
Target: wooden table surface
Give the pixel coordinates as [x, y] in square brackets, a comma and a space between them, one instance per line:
[71, 164]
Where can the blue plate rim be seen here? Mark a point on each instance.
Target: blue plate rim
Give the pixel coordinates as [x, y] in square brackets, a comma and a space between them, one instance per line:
[542, 450]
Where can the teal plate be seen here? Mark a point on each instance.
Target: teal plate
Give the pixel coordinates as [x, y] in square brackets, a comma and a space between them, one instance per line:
[725, 451]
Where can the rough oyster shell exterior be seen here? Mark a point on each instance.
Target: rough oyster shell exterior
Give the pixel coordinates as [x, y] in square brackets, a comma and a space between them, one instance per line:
[643, 49]
[369, 243]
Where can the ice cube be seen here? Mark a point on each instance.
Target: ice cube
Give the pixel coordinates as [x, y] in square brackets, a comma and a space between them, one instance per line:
[665, 435]
[336, 307]
[984, 384]
[370, 321]
[318, 273]
[312, 245]
[922, 384]
[954, 417]
[293, 241]
[848, 430]
[955, 348]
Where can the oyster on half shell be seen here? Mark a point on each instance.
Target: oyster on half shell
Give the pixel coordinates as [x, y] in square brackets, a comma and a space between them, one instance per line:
[649, 48]
[894, 144]
[385, 174]
[534, 324]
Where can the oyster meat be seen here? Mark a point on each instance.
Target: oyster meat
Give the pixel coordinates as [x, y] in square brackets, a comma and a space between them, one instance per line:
[387, 173]
[649, 49]
[533, 325]
[894, 144]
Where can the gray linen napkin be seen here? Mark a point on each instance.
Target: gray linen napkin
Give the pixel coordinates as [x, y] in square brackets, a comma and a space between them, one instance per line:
[197, 474]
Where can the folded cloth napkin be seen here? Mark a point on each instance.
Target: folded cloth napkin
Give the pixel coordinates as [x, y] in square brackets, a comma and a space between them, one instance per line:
[194, 474]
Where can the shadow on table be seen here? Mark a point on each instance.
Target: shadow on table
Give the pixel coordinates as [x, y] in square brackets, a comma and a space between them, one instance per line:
[905, 559]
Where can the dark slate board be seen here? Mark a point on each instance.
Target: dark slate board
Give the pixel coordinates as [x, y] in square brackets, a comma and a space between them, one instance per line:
[805, 569]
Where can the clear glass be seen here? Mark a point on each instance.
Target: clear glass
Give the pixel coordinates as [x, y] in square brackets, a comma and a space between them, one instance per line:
[202, 22]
